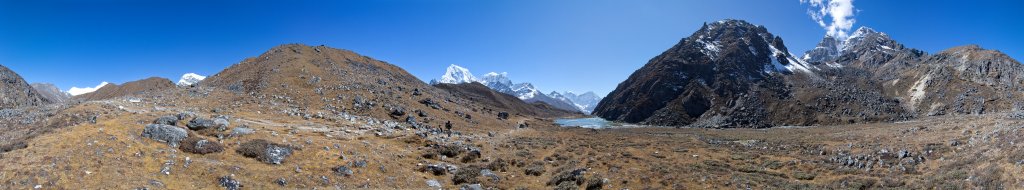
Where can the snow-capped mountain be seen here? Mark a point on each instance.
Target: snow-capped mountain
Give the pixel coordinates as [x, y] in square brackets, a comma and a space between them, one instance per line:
[501, 83]
[189, 79]
[456, 75]
[51, 92]
[584, 102]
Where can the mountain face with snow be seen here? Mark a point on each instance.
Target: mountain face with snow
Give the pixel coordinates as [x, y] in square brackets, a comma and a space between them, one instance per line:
[501, 83]
[584, 102]
[51, 92]
[189, 79]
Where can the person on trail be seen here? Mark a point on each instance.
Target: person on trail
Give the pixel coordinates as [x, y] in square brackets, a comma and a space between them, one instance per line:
[448, 125]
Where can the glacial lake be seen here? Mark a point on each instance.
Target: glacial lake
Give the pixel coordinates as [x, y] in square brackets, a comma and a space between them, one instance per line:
[590, 123]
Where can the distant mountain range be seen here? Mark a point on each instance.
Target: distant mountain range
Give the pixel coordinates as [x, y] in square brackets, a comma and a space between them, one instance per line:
[732, 73]
[500, 82]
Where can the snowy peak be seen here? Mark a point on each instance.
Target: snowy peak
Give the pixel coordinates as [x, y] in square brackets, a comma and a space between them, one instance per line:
[189, 79]
[51, 92]
[456, 75]
[496, 79]
[585, 102]
[863, 40]
[75, 91]
[500, 82]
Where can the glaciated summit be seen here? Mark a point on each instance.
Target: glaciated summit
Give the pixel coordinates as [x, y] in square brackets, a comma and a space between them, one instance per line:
[189, 79]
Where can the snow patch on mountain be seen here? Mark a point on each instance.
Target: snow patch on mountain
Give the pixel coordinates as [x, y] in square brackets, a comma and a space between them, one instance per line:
[189, 79]
[75, 91]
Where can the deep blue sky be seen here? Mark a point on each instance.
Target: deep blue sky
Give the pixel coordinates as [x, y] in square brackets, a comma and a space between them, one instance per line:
[578, 45]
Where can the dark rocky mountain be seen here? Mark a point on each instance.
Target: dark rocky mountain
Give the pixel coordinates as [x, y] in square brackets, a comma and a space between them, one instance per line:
[711, 79]
[716, 72]
[51, 92]
[15, 92]
[139, 87]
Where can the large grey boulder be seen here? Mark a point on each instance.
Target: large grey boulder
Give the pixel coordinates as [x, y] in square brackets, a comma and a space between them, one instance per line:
[200, 124]
[167, 120]
[165, 133]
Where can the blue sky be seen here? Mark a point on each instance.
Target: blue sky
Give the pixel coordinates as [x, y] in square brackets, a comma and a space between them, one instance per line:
[577, 45]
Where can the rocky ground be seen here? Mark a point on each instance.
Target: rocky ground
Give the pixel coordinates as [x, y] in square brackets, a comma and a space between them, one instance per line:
[252, 146]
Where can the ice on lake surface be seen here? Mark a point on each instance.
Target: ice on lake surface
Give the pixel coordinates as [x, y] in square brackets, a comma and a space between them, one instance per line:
[591, 123]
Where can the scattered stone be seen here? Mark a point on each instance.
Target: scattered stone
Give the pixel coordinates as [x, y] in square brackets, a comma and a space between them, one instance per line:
[221, 123]
[359, 164]
[185, 115]
[568, 176]
[265, 151]
[342, 171]
[397, 112]
[433, 183]
[503, 115]
[471, 187]
[165, 133]
[166, 120]
[281, 182]
[241, 131]
[490, 175]
[229, 183]
[903, 154]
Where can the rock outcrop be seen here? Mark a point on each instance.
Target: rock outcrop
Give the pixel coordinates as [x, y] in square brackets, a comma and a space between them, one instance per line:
[15, 92]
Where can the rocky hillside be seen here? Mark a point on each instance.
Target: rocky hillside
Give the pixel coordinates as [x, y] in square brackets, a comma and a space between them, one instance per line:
[51, 92]
[134, 88]
[15, 92]
[322, 82]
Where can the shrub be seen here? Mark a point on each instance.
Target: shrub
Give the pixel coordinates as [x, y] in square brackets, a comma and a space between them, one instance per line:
[265, 151]
[198, 145]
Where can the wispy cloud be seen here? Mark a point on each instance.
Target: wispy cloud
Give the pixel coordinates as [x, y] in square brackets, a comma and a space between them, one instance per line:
[75, 91]
[835, 16]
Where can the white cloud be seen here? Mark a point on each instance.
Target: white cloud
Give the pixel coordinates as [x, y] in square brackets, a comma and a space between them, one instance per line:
[75, 91]
[835, 16]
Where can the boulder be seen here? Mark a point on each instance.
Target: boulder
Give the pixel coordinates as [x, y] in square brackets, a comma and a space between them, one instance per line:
[167, 120]
[200, 124]
[165, 133]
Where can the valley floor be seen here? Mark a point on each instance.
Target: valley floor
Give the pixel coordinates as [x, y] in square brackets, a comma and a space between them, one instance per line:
[949, 152]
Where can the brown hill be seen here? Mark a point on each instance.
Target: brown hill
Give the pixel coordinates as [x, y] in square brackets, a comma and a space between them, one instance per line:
[315, 81]
[138, 87]
[501, 102]
[15, 92]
